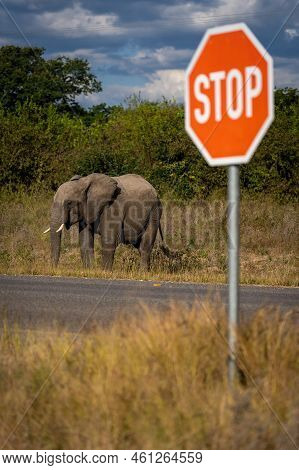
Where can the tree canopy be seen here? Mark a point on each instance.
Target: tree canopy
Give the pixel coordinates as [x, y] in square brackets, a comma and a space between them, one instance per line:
[46, 136]
[25, 75]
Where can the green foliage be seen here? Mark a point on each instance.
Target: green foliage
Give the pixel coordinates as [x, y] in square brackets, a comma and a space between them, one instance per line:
[274, 168]
[38, 146]
[42, 146]
[26, 75]
[98, 113]
[149, 139]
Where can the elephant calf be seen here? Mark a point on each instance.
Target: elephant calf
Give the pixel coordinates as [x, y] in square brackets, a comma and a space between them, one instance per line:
[122, 209]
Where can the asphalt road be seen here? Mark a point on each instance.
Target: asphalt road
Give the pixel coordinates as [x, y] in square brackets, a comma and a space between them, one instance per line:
[42, 301]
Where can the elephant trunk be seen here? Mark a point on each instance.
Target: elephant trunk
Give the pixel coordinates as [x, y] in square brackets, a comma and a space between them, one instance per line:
[56, 220]
[94, 210]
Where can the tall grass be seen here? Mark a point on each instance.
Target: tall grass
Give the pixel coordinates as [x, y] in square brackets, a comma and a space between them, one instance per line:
[269, 235]
[152, 381]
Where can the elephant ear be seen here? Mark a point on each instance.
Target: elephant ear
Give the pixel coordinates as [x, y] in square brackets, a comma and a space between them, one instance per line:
[100, 192]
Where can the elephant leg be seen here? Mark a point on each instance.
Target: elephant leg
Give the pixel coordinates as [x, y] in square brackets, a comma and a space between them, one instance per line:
[109, 229]
[108, 252]
[145, 257]
[148, 239]
[86, 239]
[55, 247]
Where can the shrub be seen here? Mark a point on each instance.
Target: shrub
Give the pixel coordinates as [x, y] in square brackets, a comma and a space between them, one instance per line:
[39, 146]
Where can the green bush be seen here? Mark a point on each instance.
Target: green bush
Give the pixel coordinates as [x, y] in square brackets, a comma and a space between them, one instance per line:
[42, 147]
[150, 139]
[38, 146]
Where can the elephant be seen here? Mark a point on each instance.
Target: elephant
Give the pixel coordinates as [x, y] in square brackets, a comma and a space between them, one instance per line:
[123, 209]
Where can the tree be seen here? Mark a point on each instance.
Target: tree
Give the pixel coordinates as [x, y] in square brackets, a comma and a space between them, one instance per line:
[287, 101]
[25, 75]
[99, 113]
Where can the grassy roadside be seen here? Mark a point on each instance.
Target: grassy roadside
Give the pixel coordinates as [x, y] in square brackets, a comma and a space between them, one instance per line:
[269, 237]
[127, 387]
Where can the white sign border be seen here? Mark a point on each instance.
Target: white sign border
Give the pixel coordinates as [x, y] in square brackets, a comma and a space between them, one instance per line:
[232, 160]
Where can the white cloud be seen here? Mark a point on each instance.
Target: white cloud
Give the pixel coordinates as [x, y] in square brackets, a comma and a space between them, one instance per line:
[141, 61]
[286, 72]
[162, 83]
[170, 84]
[292, 33]
[78, 22]
[91, 99]
[111, 94]
[96, 58]
[167, 83]
[163, 56]
[200, 16]
[4, 41]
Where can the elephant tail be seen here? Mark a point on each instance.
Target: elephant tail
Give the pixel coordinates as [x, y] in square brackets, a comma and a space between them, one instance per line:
[165, 249]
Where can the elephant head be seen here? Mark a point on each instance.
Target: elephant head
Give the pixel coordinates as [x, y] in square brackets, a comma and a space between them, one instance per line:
[82, 199]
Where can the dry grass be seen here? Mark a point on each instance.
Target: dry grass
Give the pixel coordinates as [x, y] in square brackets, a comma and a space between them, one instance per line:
[152, 382]
[269, 237]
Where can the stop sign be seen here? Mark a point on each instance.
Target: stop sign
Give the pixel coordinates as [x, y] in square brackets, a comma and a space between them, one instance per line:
[229, 95]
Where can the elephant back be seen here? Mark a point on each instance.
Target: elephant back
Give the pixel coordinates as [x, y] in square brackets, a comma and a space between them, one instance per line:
[135, 187]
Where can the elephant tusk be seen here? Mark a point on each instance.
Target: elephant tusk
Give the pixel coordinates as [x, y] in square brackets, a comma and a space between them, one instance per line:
[48, 230]
[60, 228]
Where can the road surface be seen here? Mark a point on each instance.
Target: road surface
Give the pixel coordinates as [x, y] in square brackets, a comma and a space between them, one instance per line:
[43, 301]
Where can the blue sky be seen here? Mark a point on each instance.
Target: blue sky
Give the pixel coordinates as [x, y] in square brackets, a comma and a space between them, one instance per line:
[145, 45]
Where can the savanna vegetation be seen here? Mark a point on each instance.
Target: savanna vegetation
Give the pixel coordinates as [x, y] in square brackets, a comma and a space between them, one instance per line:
[46, 137]
[127, 387]
[43, 147]
[195, 231]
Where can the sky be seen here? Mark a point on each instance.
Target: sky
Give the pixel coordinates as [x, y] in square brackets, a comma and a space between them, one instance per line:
[144, 46]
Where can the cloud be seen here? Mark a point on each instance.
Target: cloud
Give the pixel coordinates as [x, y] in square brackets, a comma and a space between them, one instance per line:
[292, 33]
[164, 56]
[3, 41]
[141, 61]
[94, 57]
[136, 45]
[286, 72]
[170, 84]
[165, 83]
[76, 21]
[201, 15]
[162, 83]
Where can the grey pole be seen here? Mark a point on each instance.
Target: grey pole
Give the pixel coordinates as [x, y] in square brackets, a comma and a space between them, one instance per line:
[233, 264]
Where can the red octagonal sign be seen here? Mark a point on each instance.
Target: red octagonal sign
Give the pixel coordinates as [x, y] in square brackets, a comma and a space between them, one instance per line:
[229, 95]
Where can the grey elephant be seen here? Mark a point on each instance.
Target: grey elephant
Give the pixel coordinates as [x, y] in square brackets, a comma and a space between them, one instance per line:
[124, 209]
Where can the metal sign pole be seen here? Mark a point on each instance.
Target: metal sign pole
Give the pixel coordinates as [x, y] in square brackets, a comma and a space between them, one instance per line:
[233, 264]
